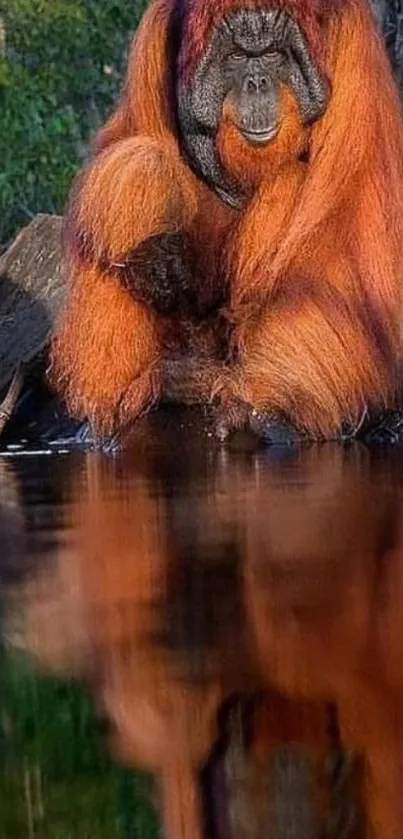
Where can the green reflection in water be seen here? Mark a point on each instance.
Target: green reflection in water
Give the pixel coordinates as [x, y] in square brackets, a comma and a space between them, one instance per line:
[56, 781]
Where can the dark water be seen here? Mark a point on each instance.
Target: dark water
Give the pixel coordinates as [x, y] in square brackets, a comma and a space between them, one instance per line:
[201, 640]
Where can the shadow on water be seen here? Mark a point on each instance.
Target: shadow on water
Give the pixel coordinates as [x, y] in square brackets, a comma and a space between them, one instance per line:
[233, 619]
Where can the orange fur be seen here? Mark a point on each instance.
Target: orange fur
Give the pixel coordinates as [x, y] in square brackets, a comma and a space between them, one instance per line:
[323, 339]
[121, 203]
[313, 263]
[105, 355]
[109, 370]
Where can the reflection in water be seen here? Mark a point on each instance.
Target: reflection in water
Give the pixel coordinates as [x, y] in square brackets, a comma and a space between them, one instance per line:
[238, 611]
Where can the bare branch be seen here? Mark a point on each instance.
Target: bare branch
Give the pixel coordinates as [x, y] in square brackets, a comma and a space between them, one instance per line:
[8, 404]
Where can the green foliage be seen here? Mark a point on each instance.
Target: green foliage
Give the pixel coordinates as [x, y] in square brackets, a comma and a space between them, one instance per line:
[61, 65]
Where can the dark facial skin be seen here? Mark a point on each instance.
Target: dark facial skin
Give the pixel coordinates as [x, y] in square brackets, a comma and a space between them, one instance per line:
[250, 55]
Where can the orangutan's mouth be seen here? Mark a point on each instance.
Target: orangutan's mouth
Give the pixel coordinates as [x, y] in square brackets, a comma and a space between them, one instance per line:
[261, 137]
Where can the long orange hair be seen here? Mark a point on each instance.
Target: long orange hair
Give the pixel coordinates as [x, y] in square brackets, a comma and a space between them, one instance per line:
[313, 263]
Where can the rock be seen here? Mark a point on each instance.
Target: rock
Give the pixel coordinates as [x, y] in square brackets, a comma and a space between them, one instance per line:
[32, 292]
[389, 15]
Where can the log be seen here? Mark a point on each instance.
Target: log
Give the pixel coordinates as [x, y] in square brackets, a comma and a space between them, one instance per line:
[32, 293]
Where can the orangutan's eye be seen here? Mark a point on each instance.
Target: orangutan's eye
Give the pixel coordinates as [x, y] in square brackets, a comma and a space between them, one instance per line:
[237, 56]
[272, 55]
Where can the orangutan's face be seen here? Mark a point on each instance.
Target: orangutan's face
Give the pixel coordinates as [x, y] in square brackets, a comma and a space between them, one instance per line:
[252, 55]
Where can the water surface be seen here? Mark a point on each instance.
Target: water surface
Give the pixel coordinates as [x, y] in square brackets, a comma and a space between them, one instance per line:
[201, 639]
